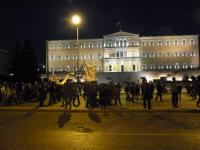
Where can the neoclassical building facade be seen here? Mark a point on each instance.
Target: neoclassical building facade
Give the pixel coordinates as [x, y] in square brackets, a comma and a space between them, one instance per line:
[125, 52]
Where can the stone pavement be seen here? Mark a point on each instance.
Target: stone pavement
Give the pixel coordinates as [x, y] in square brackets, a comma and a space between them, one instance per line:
[185, 105]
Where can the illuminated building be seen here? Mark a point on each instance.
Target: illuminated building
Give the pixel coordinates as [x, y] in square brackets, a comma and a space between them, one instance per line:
[125, 52]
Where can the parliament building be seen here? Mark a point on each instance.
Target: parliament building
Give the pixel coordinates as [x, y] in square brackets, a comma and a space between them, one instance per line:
[125, 52]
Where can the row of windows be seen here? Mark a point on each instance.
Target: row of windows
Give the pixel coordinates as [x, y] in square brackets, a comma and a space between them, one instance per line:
[68, 68]
[168, 42]
[60, 58]
[168, 54]
[67, 46]
[110, 68]
[167, 66]
[125, 43]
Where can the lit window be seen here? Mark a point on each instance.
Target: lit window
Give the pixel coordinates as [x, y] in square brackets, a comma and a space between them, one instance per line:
[159, 43]
[176, 66]
[176, 54]
[167, 43]
[168, 66]
[191, 42]
[175, 42]
[184, 42]
[51, 58]
[185, 66]
[90, 45]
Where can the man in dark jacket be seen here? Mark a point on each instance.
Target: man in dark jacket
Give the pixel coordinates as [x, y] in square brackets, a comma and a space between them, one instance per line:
[174, 92]
[146, 93]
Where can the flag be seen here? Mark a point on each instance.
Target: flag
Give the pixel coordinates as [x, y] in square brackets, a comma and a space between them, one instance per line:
[90, 72]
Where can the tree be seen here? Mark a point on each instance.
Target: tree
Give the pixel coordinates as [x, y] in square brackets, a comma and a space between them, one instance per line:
[24, 64]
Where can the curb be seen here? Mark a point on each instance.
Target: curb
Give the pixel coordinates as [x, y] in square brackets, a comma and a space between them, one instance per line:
[179, 110]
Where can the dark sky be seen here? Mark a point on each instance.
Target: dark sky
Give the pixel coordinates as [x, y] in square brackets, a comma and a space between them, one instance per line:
[47, 19]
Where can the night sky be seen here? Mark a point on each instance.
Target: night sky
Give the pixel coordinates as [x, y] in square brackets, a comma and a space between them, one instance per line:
[49, 19]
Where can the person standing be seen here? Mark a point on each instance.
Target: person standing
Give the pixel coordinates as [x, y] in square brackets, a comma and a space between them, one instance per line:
[159, 89]
[198, 91]
[146, 94]
[174, 92]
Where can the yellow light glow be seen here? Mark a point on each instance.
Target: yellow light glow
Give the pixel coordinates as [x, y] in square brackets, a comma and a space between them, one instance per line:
[76, 19]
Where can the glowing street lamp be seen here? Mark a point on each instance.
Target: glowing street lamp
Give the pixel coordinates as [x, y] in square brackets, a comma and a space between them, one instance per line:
[76, 20]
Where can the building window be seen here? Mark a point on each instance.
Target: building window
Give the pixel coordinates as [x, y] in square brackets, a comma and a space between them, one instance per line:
[109, 44]
[51, 47]
[192, 54]
[183, 42]
[143, 43]
[122, 68]
[151, 55]
[99, 45]
[59, 58]
[90, 45]
[192, 65]
[143, 55]
[117, 43]
[191, 42]
[176, 66]
[125, 43]
[121, 43]
[125, 53]
[175, 42]
[167, 54]
[167, 43]
[59, 46]
[159, 54]
[110, 67]
[99, 56]
[51, 58]
[185, 66]
[144, 67]
[91, 56]
[132, 44]
[121, 54]
[133, 67]
[151, 43]
[168, 66]
[159, 43]
[176, 54]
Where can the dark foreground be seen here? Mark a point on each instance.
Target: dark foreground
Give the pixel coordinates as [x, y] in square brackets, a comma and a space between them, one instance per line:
[99, 131]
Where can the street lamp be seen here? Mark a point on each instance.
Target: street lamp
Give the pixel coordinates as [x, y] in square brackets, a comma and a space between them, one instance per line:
[76, 20]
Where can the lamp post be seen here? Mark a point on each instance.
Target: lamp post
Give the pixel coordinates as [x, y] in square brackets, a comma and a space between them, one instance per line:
[76, 20]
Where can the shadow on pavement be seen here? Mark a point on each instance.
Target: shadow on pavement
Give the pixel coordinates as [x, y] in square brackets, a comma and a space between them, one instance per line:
[94, 117]
[63, 119]
[28, 114]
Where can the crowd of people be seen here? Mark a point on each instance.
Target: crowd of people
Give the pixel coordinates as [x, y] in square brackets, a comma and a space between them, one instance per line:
[95, 95]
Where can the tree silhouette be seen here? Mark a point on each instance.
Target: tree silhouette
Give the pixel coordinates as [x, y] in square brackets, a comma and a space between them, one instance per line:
[24, 65]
